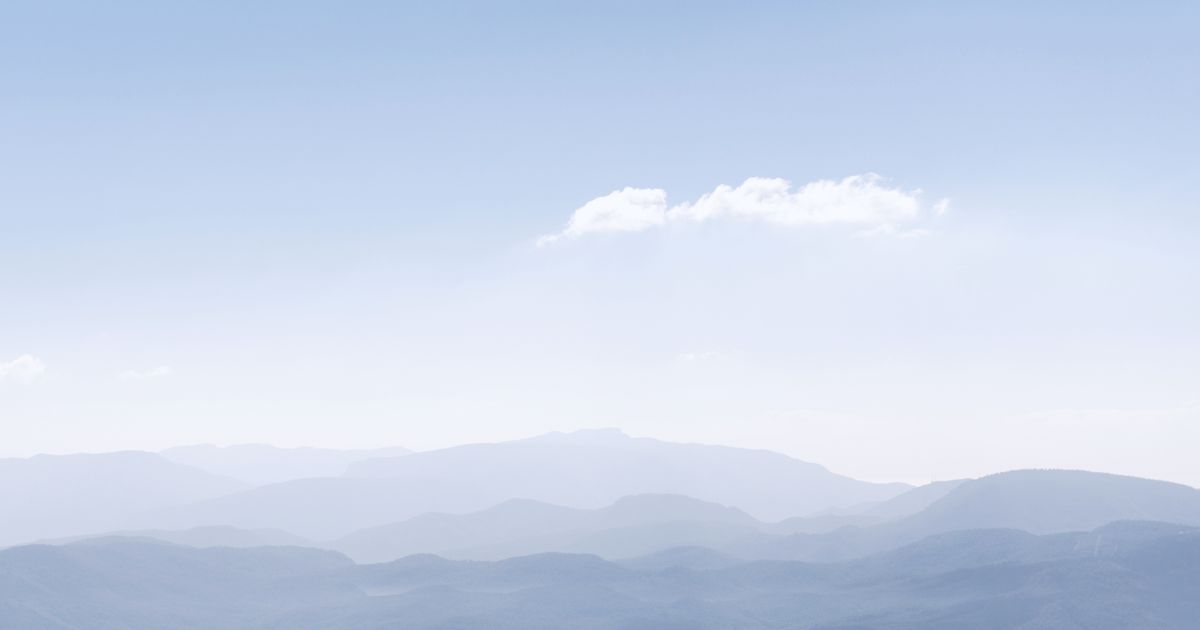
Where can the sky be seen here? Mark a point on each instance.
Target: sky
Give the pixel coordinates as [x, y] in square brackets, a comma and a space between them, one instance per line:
[907, 241]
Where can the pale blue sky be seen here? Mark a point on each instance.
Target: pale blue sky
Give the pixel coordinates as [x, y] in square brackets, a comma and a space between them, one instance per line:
[316, 223]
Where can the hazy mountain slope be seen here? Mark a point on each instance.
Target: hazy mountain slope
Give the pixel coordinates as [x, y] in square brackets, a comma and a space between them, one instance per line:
[1047, 501]
[259, 464]
[631, 526]
[137, 584]
[1149, 577]
[442, 534]
[215, 536]
[642, 539]
[697, 558]
[821, 524]
[914, 500]
[868, 514]
[1036, 501]
[1125, 575]
[64, 495]
[324, 509]
[589, 469]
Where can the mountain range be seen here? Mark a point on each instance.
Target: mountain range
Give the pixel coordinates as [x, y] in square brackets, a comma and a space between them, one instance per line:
[1036, 501]
[1124, 575]
[632, 526]
[492, 501]
[50, 496]
[261, 464]
[592, 529]
[586, 470]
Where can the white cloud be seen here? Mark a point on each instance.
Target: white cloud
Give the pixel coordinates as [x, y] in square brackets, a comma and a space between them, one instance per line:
[627, 210]
[864, 201]
[859, 199]
[145, 375]
[23, 370]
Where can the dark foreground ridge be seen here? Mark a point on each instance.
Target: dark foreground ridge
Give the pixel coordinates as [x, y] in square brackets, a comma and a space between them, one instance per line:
[1124, 575]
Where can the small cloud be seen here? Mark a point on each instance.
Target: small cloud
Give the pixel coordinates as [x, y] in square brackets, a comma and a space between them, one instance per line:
[23, 370]
[145, 375]
[865, 201]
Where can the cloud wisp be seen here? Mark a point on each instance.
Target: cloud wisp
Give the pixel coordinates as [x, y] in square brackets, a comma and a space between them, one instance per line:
[23, 370]
[863, 201]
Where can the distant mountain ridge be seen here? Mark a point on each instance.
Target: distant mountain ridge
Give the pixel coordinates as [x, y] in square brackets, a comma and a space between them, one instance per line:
[200, 537]
[583, 470]
[1034, 501]
[1051, 501]
[49, 496]
[632, 526]
[1026, 549]
[491, 501]
[1125, 575]
[260, 464]
[592, 468]
[1038, 502]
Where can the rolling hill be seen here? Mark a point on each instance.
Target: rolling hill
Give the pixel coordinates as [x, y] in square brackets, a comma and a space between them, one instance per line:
[585, 470]
[1034, 501]
[589, 469]
[1125, 575]
[260, 464]
[50, 496]
[200, 537]
[632, 526]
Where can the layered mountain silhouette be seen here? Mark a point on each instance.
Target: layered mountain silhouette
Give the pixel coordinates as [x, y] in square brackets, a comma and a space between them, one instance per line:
[260, 464]
[632, 526]
[1048, 501]
[1032, 501]
[491, 501]
[585, 530]
[136, 583]
[586, 470]
[1125, 575]
[50, 496]
[589, 469]
[1036, 501]
[216, 536]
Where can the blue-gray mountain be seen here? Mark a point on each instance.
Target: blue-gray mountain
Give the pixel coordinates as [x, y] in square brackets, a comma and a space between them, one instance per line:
[589, 530]
[260, 464]
[184, 488]
[588, 469]
[1125, 575]
[50, 496]
[216, 536]
[1039, 501]
[632, 526]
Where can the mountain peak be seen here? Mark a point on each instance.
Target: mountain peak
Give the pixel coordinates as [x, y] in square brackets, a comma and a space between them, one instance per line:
[600, 436]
